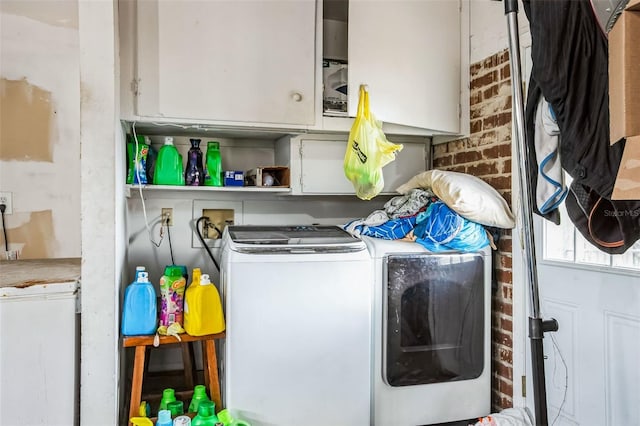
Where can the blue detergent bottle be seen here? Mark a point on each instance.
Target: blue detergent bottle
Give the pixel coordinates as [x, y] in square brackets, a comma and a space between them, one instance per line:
[140, 309]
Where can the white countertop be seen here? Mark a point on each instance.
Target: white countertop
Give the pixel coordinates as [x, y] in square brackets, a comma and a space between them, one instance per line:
[30, 272]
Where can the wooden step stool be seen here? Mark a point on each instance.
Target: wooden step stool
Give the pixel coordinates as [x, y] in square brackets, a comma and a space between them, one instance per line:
[210, 364]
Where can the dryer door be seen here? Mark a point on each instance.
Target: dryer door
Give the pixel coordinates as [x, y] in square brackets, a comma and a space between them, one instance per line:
[434, 318]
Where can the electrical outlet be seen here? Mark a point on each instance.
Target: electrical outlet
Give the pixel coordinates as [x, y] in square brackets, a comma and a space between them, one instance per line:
[6, 198]
[167, 213]
[216, 221]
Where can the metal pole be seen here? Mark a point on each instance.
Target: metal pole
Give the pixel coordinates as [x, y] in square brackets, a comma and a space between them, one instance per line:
[537, 326]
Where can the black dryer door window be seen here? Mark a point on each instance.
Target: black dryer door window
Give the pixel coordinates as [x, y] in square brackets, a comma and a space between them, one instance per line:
[434, 318]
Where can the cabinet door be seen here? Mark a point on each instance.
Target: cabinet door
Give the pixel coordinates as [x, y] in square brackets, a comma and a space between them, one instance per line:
[408, 53]
[321, 167]
[322, 172]
[232, 61]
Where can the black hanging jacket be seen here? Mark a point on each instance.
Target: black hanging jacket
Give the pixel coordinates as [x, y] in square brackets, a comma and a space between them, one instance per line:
[570, 69]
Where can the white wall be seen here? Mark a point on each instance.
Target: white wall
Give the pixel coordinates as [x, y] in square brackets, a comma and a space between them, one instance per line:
[254, 209]
[103, 240]
[40, 136]
[489, 28]
[45, 45]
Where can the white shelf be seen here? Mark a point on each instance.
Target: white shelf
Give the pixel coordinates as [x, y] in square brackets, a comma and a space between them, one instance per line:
[176, 188]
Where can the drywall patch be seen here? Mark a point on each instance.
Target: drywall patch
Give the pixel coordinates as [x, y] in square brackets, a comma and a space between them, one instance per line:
[26, 114]
[35, 235]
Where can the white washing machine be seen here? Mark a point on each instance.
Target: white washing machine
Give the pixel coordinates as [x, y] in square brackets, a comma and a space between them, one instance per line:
[298, 303]
[432, 333]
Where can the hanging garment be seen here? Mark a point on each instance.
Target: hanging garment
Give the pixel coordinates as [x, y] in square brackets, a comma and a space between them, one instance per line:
[550, 188]
[531, 158]
[570, 66]
[570, 69]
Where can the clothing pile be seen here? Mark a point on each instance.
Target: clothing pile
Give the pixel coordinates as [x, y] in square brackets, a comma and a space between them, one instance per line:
[429, 215]
[421, 217]
[567, 125]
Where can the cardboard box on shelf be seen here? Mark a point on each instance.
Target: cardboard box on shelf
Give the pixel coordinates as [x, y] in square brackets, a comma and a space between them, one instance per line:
[277, 176]
[627, 185]
[624, 74]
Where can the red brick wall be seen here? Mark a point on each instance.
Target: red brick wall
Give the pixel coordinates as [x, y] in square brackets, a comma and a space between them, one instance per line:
[487, 155]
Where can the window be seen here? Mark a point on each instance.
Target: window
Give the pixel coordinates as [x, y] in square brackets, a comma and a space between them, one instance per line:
[565, 244]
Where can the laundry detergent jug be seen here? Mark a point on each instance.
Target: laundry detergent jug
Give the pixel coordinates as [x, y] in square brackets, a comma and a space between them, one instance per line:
[168, 165]
[139, 310]
[172, 286]
[203, 309]
[213, 165]
[137, 151]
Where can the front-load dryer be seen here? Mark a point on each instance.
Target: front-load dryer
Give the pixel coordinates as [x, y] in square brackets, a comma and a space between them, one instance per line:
[431, 334]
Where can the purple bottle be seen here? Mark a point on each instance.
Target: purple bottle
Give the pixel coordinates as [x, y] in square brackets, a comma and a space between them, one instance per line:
[194, 172]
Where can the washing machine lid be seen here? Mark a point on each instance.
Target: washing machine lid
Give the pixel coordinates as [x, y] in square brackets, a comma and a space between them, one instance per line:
[295, 238]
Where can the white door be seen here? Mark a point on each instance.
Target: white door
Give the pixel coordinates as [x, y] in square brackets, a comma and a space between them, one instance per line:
[232, 61]
[592, 365]
[408, 53]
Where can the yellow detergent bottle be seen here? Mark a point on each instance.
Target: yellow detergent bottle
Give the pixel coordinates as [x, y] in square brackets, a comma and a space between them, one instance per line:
[203, 309]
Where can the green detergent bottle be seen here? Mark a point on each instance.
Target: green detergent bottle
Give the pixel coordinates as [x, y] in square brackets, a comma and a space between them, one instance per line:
[168, 396]
[168, 169]
[213, 165]
[199, 395]
[206, 415]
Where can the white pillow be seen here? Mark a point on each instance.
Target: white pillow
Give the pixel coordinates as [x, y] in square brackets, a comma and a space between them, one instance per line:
[467, 195]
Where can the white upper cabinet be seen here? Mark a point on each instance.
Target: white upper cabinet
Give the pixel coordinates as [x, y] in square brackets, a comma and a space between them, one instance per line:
[227, 61]
[316, 163]
[408, 52]
[260, 63]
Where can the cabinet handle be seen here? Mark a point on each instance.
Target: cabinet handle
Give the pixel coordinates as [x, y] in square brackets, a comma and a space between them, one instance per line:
[296, 97]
